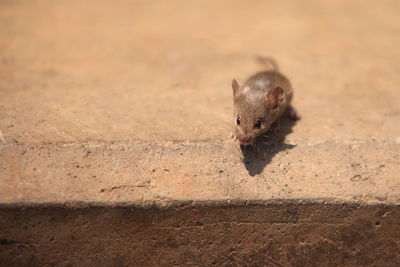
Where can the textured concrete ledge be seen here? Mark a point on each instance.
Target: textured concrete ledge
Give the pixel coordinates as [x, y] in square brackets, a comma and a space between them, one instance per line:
[146, 174]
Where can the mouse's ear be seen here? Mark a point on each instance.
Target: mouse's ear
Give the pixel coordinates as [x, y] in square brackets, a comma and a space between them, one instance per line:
[235, 87]
[273, 97]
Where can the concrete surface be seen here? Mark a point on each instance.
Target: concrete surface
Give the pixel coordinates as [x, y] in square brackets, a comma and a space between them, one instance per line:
[130, 103]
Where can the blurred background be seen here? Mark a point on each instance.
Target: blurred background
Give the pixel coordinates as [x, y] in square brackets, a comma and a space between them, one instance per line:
[154, 70]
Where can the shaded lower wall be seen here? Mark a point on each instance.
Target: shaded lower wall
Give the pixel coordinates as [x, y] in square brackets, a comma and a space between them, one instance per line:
[274, 234]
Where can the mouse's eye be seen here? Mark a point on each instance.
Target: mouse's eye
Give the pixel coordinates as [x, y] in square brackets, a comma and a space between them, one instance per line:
[257, 124]
[238, 120]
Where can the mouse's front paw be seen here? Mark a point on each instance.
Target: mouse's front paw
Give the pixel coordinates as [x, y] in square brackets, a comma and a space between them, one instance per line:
[294, 114]
[232, 135]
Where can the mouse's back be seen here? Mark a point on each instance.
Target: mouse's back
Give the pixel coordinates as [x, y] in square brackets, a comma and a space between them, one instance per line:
[266, 80]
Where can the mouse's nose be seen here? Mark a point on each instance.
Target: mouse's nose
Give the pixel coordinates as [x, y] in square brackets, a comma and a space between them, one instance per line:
[245, 139]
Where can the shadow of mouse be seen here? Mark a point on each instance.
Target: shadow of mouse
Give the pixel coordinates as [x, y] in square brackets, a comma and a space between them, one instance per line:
[265, 147]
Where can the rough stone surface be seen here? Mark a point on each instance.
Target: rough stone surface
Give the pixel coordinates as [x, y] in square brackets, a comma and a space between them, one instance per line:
[127, 105]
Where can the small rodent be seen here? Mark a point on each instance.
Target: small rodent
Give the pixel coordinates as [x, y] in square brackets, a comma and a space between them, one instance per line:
[260, 102]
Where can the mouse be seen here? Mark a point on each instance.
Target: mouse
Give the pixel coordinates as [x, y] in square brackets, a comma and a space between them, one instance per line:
[260, 102]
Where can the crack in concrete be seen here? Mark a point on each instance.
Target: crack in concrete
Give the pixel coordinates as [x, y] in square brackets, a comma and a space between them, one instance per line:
[122, 187]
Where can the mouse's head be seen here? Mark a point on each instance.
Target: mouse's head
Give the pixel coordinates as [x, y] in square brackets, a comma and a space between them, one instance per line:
[254, 110]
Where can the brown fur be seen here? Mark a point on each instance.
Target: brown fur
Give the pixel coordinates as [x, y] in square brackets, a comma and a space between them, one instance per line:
[264, 96]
